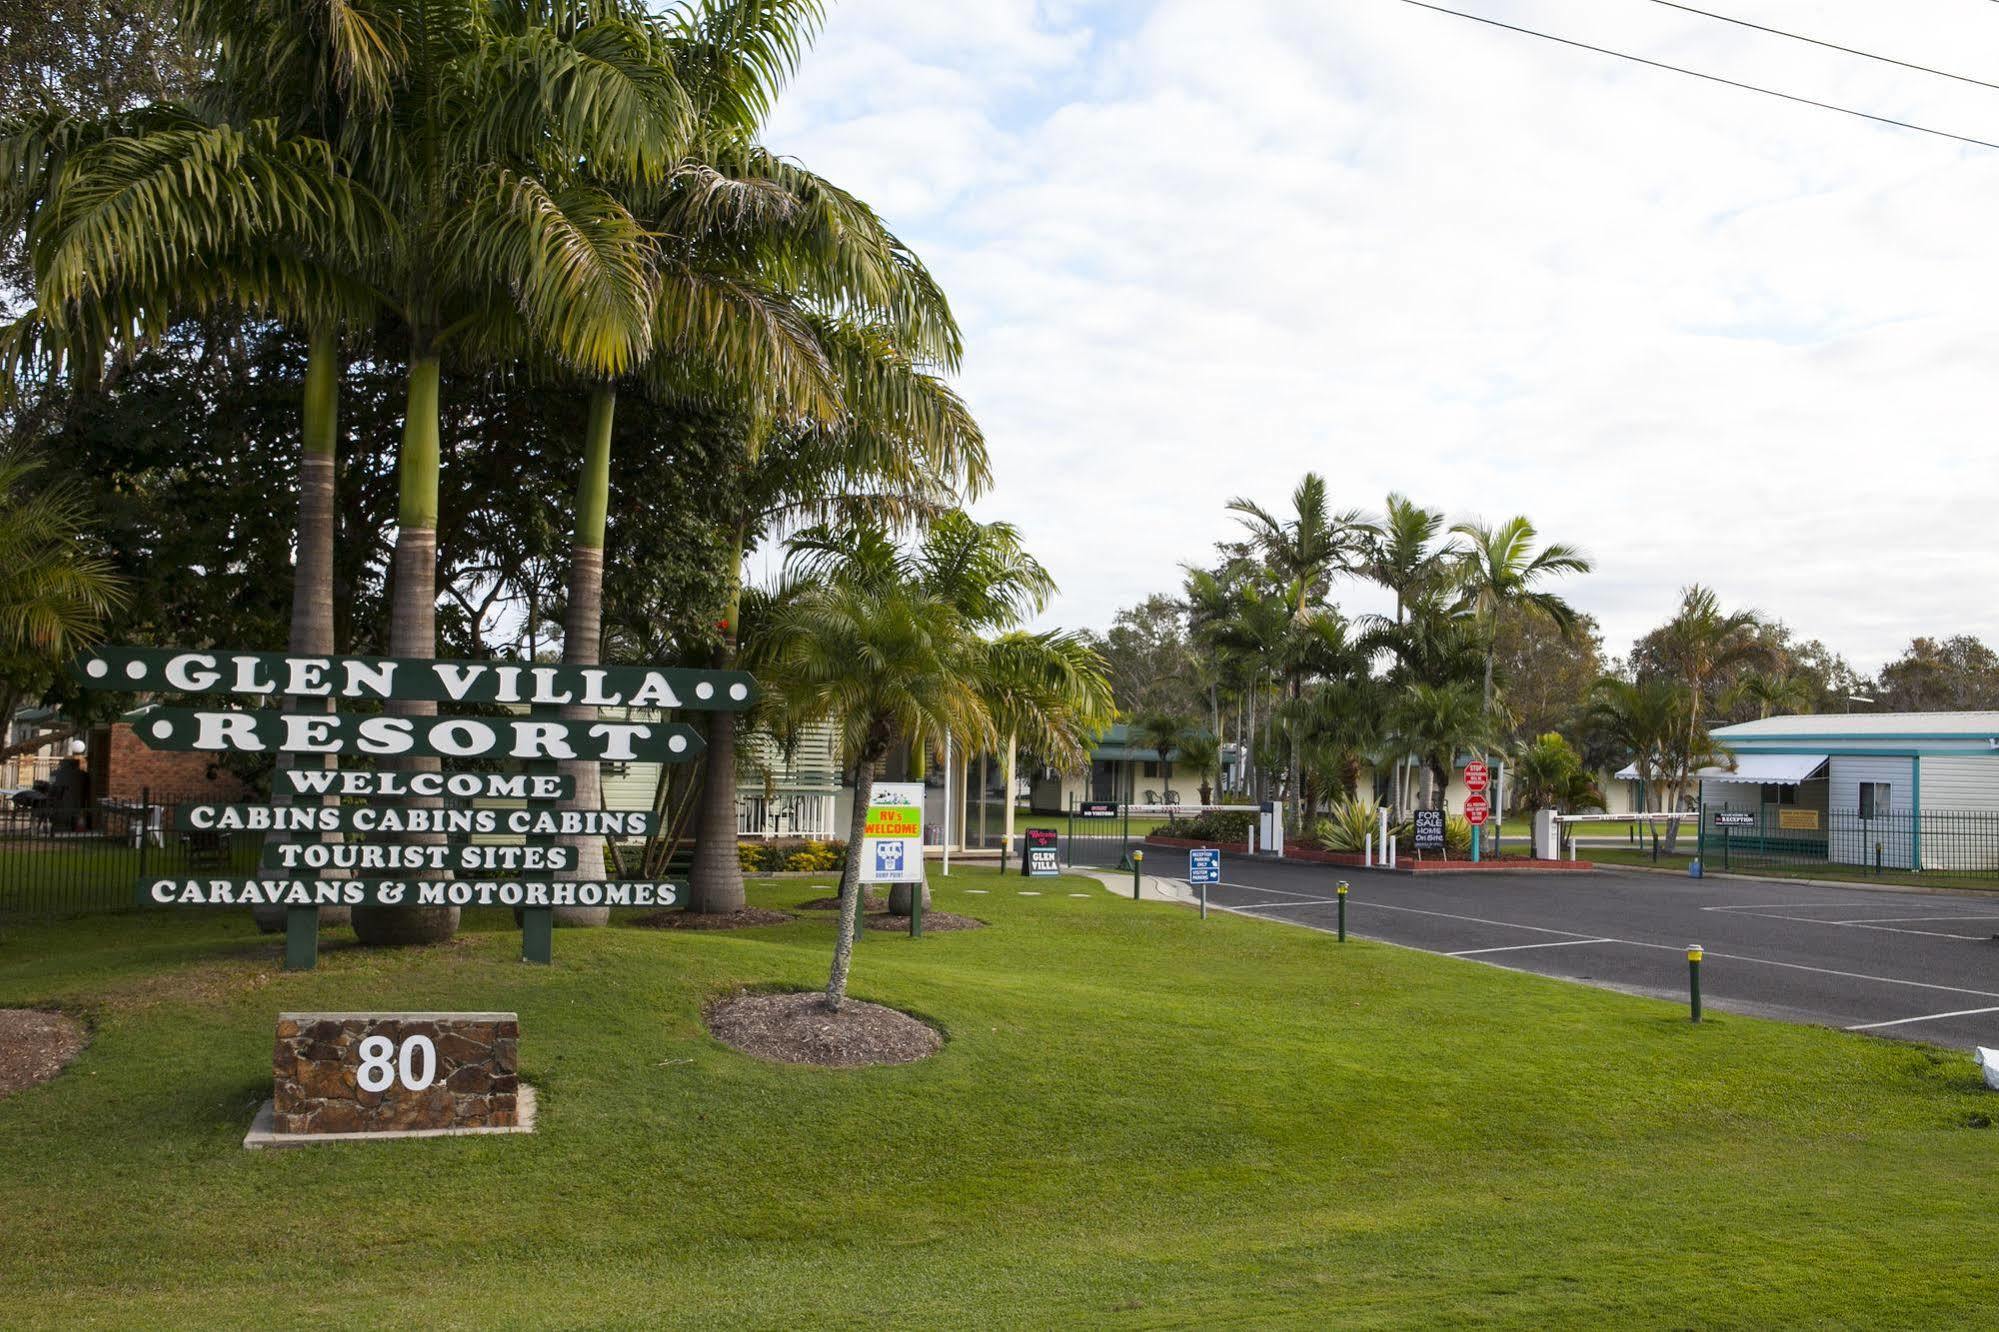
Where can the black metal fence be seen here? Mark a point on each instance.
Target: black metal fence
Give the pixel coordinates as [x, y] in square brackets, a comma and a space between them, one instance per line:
[1938, 841]
[65, 862]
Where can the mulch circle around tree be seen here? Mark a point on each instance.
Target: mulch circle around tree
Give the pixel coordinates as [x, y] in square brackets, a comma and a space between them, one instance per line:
[932, 920]
[876, 902]
[35, 1046]
[801, 1029]
[710, 920]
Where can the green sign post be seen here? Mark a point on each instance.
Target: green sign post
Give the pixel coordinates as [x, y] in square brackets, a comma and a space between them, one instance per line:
[448, 857]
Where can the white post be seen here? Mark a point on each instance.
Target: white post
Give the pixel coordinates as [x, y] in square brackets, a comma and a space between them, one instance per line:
[1367, 851]
[1547, 832]
[1386, 851]
[947, 803]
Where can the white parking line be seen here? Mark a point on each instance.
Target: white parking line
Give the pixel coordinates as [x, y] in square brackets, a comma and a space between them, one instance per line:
[1889, 920]
[1634, 943]
[1514, 948]
[1927, 1017]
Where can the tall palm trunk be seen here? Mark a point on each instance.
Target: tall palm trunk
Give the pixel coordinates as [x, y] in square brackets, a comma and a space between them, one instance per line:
[715, 880]
[413, 624]
[853, 900]
[312, 573]
[583, 630]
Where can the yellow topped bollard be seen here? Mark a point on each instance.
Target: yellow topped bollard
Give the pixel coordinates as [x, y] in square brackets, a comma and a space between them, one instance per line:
[1137, 866]
[1343, 910]
[1694, 979]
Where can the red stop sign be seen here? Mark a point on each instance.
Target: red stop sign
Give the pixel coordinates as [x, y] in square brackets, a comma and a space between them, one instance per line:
[1476, 809]
[1475, 775]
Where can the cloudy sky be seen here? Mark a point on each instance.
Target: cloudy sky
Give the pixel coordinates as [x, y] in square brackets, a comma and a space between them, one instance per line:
[1201, 247]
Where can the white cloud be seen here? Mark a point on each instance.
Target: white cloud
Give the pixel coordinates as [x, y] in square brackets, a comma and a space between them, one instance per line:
[1200, 249]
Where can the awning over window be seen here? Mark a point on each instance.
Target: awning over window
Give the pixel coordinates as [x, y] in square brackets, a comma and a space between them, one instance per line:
[1757, 769]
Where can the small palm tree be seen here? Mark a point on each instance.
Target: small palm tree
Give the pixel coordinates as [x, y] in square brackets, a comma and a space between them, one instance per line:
[1436, 723]
[1162, 733]
[884, 665]
[1406, 558]
[1201, 753]
[1770, 691]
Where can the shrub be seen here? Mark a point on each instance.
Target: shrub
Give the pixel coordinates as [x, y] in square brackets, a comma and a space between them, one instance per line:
[1351, 824]
[806, 856]
[1457, 837]
[1212, 827]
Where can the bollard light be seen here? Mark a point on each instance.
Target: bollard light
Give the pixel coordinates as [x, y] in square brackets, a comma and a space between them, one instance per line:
[1343, 910]
[1694, 979]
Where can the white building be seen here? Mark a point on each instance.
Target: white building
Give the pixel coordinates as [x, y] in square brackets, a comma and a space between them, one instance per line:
[1906, 789]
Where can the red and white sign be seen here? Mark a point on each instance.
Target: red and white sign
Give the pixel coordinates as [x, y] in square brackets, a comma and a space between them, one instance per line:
[1475, 775]
[1476, 809]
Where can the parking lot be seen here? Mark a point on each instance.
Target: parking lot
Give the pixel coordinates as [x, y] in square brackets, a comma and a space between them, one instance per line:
[1919, 965]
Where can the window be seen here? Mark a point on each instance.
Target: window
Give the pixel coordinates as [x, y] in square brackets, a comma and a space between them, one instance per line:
[1151, 767]
[1873, 800]
[1775, 793]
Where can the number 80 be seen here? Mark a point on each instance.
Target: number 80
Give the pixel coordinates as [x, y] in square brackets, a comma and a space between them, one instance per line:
[376, 1072]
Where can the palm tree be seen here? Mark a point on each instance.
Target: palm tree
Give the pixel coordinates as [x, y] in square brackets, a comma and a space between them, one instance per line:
[1162, 733]
[1305, 552]
[1405, 558]
[1549, 774]
[1702, 642]
[905, 447]
[884, 647]
[1201, 753]
[1499, 572]
[884, 665]
[1770, 691]
[1646, 720]
[1436, 723]
[55, 590]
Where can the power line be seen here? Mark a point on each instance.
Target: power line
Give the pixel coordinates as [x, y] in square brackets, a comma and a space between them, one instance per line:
[1711, 78]
[1830, 46]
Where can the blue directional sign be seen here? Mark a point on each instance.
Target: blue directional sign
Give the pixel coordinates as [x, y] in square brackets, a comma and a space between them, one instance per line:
[1204, 865]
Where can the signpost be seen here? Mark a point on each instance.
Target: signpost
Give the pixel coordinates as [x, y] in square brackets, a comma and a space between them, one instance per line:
[1040, 858]
[445, 856]
[1097, 809]
[1204, 866]
[1476, 779]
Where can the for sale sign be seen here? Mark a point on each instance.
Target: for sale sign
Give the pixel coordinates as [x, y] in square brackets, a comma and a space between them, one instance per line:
[892, 838]
[1429, 830]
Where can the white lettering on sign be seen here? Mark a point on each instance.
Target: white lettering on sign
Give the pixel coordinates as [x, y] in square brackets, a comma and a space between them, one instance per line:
[376, 1072]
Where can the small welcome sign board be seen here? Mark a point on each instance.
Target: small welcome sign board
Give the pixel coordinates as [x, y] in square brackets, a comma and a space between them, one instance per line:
[412, 853]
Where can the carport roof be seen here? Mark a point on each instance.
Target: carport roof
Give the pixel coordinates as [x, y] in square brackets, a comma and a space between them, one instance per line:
[1774, 769]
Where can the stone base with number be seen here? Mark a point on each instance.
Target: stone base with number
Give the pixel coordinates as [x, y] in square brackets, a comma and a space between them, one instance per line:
[342, 1075]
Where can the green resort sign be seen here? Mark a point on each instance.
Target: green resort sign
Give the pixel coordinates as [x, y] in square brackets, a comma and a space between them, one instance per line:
[405, 847]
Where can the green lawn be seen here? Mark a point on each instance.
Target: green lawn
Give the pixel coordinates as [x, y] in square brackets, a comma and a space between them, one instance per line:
[1642, 856]
[1139, 1120]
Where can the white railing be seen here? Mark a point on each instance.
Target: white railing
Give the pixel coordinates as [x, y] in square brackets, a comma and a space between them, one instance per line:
[786, 814]
[27, 769]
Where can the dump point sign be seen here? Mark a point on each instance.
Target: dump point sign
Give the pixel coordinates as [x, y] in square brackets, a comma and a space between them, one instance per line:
[892, 841]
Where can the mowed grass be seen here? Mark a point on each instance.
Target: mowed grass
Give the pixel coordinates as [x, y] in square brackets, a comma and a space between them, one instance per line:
[1139, 1119]
[1714, 863]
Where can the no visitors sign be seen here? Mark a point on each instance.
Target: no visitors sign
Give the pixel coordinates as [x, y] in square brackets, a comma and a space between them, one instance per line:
[892, 840]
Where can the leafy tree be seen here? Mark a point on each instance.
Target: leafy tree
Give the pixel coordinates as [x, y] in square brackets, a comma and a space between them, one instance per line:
[1544, 676]
[1646, 722]
[1201, 754]
[1152, 657]
[1956, 674]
